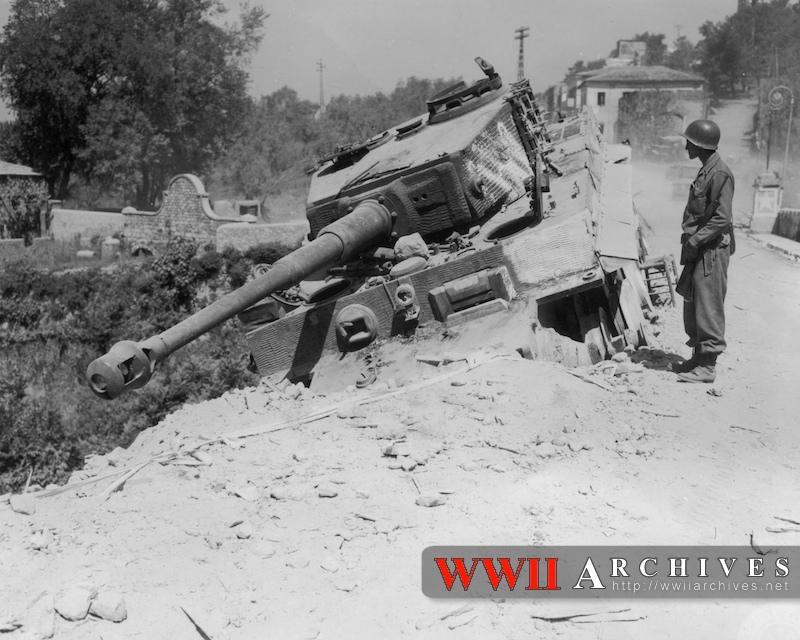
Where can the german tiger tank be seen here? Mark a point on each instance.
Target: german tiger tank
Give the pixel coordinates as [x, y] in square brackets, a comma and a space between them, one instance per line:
[449, 217]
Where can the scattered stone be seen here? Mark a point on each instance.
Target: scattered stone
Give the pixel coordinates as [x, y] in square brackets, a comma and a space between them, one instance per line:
[74, 603]
[7, 626]
[40, 540]
[389, 450]
[408, 464]
[362, 494]
[43, 617]
[265, 549]
[294, 391]
[23, 503]
[351, 410]
[298, 561]
[429, 500]
[110, 606]
[391, 430]
[248, 492]
[477, 415]
[622, 356]
[243, 530]
[327, 491]
[345, 585]
[714, 392]
[498, 468]
[284, 493]
[394, 465]
[115, 457]
[628, 367]
[546, 450]
[331, 563]
[213, 540]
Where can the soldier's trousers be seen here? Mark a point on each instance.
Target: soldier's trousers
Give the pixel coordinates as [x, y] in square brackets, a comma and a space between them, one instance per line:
[704, 316]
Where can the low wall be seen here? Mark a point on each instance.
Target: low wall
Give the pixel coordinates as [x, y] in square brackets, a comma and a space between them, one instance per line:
[242, 236]
[68, 225]
[787, 224]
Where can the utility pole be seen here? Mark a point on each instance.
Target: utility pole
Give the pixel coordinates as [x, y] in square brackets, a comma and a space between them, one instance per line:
[320, 67]
[522, 33]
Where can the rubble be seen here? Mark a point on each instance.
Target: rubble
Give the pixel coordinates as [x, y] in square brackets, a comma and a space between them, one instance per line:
[110, 606]
[24, 504]
[74, 603]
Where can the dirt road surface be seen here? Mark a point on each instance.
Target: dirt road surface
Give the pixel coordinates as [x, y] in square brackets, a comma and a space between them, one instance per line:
[313, 529]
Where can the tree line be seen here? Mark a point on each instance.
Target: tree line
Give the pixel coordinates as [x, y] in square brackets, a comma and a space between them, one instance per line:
[113, 97]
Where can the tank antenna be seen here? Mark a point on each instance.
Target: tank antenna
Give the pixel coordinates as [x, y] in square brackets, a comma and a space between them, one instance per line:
[522, 33]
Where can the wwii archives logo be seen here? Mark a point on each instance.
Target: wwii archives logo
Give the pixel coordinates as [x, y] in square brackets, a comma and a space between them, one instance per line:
[610, 572]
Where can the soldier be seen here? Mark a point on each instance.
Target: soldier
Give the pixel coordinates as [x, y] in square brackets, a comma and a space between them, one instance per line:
[707, 244]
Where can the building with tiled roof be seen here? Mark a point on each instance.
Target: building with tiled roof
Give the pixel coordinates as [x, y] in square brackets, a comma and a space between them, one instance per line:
[602, 89]
[11, 169]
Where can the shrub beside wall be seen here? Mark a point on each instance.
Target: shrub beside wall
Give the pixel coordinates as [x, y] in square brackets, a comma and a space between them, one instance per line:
[52, 324]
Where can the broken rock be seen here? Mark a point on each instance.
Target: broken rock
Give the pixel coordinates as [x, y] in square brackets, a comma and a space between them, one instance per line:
[23, 503]
[109, 606]
[430, 500]
[243, 530]
[74, 603]
[327, 491]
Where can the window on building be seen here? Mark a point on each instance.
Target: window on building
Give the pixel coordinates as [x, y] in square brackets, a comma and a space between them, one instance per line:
[601, 98]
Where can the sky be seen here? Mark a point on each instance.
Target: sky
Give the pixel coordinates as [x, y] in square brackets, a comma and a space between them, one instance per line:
[368, 46]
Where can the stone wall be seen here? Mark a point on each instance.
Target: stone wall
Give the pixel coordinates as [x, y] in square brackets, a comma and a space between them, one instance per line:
[185, 212]
[787, 225]
[243, 236]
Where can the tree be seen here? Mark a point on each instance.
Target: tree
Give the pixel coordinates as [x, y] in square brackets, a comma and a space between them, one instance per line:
[645, 116]
[278, 135]
[683, 56]
[656, 48]
[125, 92]
[580, 65]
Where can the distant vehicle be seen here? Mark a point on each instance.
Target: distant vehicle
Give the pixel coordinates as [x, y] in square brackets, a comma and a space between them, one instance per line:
[682, 175]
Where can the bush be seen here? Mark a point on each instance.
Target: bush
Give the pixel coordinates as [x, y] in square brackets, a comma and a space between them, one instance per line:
[266, 253]
[54, 324]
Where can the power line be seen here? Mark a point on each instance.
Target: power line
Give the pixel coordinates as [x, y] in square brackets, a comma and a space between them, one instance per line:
[522, 33]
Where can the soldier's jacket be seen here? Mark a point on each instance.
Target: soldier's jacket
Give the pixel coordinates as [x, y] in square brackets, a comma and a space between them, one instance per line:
[710, 184]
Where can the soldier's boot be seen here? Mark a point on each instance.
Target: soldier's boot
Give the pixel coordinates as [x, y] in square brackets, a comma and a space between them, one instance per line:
[686, 365]
[705, 371]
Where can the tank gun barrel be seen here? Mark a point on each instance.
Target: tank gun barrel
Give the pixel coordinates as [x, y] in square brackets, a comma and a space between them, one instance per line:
[129, 365]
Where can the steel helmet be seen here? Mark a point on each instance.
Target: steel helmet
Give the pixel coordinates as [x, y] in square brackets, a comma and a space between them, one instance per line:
[703, 133]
